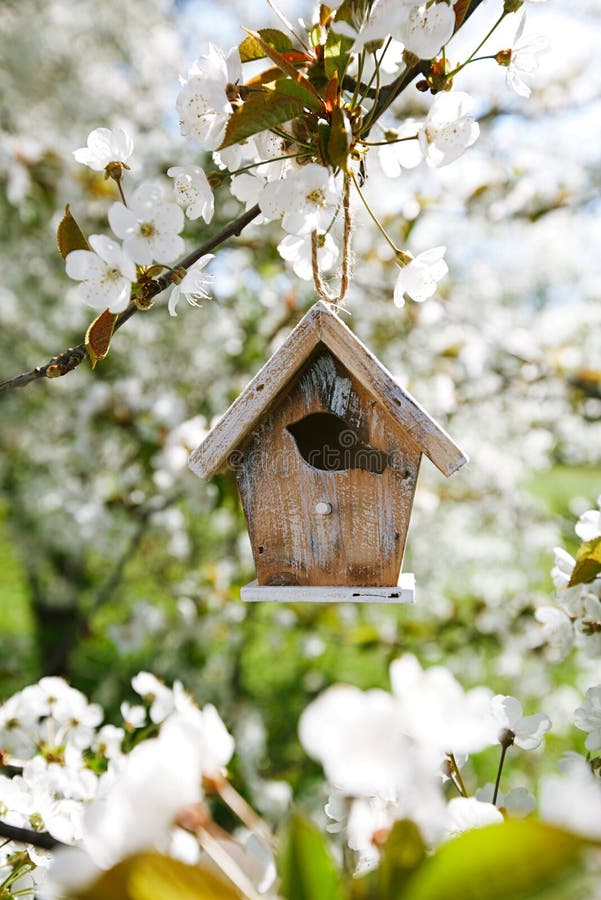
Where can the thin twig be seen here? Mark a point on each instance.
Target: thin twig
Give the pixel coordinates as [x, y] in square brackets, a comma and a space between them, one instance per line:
[70, 359]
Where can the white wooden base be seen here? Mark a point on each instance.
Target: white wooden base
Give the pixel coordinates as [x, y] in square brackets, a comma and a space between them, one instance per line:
[404, 592]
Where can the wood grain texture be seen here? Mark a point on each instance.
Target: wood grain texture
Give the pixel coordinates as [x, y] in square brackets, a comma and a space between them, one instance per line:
[321, 324]
[404, 592]
[361, 542]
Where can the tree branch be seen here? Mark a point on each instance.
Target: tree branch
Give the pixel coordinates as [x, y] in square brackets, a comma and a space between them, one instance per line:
[41, 839]
[70, 359]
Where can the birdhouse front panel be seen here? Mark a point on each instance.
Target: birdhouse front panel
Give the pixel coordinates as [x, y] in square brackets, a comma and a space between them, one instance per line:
[327, 479]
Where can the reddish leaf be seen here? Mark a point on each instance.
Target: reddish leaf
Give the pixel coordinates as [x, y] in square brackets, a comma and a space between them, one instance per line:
[461, 8]
[98, 336]
[282, 62]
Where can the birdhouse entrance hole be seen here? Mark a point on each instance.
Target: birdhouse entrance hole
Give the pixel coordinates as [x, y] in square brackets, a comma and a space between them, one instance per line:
[327, 442]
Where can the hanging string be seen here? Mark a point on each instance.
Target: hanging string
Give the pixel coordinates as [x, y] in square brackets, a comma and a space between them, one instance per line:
[346, 252]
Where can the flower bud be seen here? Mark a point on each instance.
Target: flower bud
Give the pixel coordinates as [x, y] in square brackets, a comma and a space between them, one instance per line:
[511, 6]
[503, 57]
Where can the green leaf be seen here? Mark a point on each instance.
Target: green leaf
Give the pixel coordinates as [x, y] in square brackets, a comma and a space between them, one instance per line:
[588, 563]
[336, 54]
[69, 235]
[517, 859]
[149, 876]
[292, 88]
[251, 49]
[98, 336]
[260, 112]
[307, 869]
[403, 852]
[340, 138]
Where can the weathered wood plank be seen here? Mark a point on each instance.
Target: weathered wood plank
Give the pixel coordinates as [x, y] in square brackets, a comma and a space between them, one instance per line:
[322, 324]
[404, 592]
[232, 428]
[427, 434]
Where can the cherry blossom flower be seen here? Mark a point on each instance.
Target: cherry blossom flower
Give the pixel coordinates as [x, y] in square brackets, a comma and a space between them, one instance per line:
[523, 60]
[517, 803]
[247, 188]
[193, 285]
[203, 103]
[427, 28]
[434, 709]
[588, 718]
[563, 568]
[149, 228]
[418, 277]
[385, 18]
[297, 249]
[557, 630]
[155, 693]
[306, 199]
[465, 813]
[588, 526]
[106, 273]
[527, 731]
[448, 130]
[105, 147]
[357, 738]
[133, 716]
[572, 800]
[401, 154]
[193, 191]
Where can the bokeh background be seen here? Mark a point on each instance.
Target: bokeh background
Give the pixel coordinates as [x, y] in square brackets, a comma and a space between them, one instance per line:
[115, 558]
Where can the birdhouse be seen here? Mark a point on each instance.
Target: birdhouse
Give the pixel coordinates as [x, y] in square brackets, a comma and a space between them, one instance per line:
[326, 449]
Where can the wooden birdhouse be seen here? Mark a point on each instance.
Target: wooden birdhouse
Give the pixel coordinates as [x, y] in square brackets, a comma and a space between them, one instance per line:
[326, 449]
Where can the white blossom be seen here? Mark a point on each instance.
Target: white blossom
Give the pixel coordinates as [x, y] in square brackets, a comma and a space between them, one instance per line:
[557, 629]
[193, 285]
[149, 227]
[104, 147]
[134, 716]
[588, 718]
[357, 738]
[517, 803]
[306, 199]
[573, 800]
[401, 154]
[523, 61]
[297, 249]
[563, 568]
[427, 28]
[528, 731]
[155, 693]
[434, 709]
[203, 103]
[465, 813]
[106, 273]
[448, 129]
[588, 526]
[193, 191]
[418, 278]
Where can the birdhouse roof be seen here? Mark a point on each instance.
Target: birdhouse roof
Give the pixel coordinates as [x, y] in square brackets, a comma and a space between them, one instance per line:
[321, 326]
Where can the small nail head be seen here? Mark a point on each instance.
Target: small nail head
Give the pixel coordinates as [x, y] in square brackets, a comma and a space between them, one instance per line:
[323, 508]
